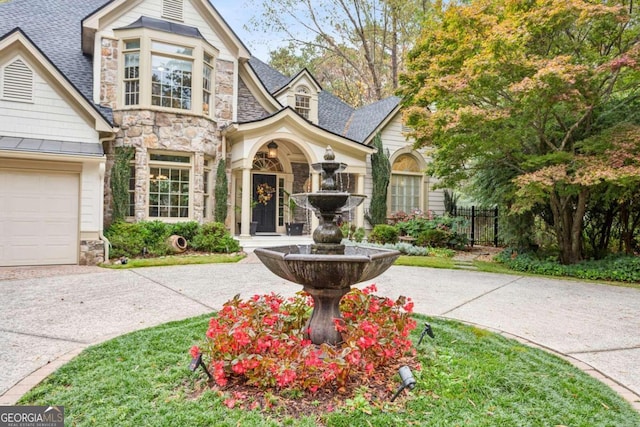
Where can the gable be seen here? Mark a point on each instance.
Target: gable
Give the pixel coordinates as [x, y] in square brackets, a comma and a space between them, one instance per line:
[37, 101]
[195, 13]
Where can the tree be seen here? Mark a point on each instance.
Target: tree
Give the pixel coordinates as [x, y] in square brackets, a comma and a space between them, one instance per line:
[381, 174]
[352, 41]
[221, 192]
[520, 87]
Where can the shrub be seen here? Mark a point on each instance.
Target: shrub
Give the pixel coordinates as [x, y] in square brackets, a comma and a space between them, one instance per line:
[127, 239]
[262, 341]
[435, 231]
[433, 237]
[383, 233]
[214, 237]
[351, 232]
[187, 229]
[621, 268]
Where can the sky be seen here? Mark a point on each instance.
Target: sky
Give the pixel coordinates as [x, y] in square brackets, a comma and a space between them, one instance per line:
[238, 13]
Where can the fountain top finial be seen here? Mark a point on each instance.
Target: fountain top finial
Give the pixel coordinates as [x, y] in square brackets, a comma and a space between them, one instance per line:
[329, 154]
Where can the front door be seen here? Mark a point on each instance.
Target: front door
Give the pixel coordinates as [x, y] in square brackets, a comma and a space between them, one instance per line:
[265, 198]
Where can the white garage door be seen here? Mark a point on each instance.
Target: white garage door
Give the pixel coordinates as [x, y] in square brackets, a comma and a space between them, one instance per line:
[38, 218]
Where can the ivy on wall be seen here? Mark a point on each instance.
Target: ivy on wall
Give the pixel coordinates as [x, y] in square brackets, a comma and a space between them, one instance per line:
[221, 192]
[120, 175]
[381, 174]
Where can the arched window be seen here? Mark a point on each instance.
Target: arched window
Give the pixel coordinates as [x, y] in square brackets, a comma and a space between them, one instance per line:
[303, 101]
[262, 162]
[406, 184]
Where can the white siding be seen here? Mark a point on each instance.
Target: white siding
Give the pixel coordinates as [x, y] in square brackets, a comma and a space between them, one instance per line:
[153, 9]
[91, 192]
[50, 116]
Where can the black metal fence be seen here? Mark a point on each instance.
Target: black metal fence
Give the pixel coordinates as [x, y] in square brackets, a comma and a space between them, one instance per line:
[482, 228]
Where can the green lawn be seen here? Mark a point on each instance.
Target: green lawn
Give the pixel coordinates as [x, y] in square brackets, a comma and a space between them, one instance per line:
[469, 377]
[177, 260]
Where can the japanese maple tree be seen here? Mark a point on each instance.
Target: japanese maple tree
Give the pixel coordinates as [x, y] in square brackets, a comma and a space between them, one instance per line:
[533, 102]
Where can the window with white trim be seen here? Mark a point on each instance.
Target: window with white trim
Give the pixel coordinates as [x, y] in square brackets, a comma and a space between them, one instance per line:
[169, 184]
[303, 101]
[17, 82]
[132, 72]
[207, 83]
[171, 71]
[405, 185]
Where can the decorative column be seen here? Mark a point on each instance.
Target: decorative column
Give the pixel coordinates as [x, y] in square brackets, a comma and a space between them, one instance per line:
[315, 186]
[247, 193]
[360, 208]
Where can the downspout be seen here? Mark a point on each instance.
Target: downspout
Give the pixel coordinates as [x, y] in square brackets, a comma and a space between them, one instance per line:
[106, 242]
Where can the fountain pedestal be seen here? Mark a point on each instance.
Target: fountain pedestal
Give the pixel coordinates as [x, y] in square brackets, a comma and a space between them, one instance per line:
[326, 307]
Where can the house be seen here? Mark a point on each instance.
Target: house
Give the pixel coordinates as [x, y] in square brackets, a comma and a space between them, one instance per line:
[169, 83]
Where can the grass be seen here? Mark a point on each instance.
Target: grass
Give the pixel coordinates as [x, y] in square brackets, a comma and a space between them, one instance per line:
[469, 377]
[176, 260]
[425, 261]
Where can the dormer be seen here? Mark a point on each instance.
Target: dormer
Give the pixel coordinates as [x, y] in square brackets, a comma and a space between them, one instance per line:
[301, 94]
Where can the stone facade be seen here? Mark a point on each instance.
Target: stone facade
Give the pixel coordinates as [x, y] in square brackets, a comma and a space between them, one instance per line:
[224, 90]
[249, 108]
[109, 72]
[91, 252]
[150, 131]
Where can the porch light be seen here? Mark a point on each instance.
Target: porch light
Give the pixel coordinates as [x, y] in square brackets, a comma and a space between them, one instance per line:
[273, 150]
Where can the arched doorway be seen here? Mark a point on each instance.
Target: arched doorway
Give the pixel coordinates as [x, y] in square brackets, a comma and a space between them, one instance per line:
[266, 191]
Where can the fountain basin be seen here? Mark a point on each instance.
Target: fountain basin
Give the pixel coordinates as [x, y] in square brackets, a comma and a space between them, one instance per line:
[297, 264]
[327, 278]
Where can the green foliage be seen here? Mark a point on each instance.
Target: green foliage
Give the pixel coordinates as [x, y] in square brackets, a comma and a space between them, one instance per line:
[381, 174]
[263, 342]
[187, 229]
[214, 237]
[351, 232]
[533, 117]
[120, 175]
[221, 193]
[150, 238]
[435, 231]
[615, 268]
[383, 233]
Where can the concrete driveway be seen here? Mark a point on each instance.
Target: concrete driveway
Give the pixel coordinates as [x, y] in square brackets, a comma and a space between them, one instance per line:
[48, 315]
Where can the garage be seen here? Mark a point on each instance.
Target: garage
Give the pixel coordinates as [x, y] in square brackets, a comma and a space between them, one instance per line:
[39, 217]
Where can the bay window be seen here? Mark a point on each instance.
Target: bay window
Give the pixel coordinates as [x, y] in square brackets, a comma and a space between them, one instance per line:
[160, 70]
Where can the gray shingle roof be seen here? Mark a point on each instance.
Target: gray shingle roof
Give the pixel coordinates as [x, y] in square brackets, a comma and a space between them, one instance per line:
[165, 26]
[334, 115]
[54, 27]
[50, 146]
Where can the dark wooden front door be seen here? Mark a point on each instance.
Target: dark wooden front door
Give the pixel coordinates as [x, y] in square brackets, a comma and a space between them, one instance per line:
[265, 214]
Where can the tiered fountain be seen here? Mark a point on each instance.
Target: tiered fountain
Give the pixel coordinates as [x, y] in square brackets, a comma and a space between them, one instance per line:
[327, 268]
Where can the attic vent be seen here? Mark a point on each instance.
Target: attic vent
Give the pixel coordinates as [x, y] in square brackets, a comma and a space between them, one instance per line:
[172, 9]
[17, 82]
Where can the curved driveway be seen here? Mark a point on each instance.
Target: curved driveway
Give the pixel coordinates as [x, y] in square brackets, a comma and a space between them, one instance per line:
[45, 321]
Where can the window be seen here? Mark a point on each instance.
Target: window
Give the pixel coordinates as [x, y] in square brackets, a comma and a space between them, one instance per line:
[171, 76]
[132, 72]
[406, 184]
[303, 101]
[207, 190]
[169, 183]
[207, 77]
[17, 82]
[132, 191]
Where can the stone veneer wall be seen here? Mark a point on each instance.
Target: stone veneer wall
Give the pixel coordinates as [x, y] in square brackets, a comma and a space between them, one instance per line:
[159, 131]
[109, 72]
[248, 106]
[91, 252]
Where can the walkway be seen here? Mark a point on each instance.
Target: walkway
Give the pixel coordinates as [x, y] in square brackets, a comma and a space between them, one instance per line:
[48, 315]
